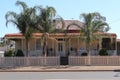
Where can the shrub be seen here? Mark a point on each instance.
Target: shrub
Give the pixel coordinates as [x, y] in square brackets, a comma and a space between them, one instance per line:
[19, 53]
[103, 52]
[9, 53]
[84, 54]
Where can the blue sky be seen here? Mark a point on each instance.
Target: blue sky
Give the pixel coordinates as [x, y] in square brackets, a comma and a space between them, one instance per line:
[68, 9]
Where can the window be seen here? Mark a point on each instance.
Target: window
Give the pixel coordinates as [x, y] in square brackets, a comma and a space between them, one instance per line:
[38, 44]
[60, 39]
[60, 47]
[108, 43]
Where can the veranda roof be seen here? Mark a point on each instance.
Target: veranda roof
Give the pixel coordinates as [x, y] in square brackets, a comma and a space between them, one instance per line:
[19, 35]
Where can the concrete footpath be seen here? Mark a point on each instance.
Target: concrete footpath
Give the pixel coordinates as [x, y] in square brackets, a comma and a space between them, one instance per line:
[60, 68]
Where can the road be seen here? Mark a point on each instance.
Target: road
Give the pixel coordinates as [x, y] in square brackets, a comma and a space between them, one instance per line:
[60, 75]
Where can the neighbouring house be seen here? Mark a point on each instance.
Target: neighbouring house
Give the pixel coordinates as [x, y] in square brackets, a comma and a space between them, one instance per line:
[60, 44]
[6, 45]
[2, 47]
[118, 46]
[2, 50]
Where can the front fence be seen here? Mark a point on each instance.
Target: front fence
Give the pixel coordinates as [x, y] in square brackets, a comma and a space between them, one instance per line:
[106, 60]
[95, 60]
[29, 61]
[77, 61]
[55, 61]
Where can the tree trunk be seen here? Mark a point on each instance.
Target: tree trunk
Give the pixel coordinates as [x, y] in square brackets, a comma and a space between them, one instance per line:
[89, 54]
[27, 52]
[45, 47]
[27, 48]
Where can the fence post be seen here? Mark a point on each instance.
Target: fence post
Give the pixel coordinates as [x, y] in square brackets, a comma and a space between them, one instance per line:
[107, 60]
[27, 61]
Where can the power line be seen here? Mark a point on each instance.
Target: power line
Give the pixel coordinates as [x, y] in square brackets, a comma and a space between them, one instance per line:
[115, 21]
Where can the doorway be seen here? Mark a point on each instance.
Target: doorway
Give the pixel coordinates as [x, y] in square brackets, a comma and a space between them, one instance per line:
[61, 48]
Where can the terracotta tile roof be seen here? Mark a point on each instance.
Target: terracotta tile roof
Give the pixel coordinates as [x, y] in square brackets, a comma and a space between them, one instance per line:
[19, 35]
[73, 30]
[67, 22]
[106, 34]
[118, 40]
[13, 35]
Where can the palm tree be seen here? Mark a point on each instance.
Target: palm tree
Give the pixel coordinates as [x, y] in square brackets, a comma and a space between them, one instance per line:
[47, 23]
[93, 23]
[24, 21]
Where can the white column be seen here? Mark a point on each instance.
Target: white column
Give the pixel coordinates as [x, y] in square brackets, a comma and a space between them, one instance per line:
[35, 46]
[70, 46]
[53, 47]
[22, 44]
[56, 48]
[78, 47]
[100, 43]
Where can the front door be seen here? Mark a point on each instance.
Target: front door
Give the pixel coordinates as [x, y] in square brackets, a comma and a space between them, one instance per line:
[61, 48]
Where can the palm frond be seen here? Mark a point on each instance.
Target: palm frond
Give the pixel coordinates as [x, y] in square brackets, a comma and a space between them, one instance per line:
[12, 21]
[22, 4]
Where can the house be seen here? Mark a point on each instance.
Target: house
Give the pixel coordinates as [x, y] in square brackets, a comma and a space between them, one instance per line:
[2, 50]
[118, 46]
[60, 44]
